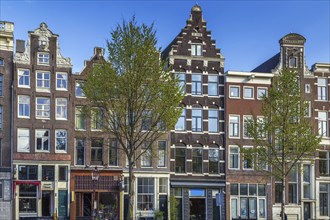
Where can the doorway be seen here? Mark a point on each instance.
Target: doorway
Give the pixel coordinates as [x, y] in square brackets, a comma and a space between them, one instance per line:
[307, 210]
[163, 205]
[46, 203]
[197, 208]
[87, 204]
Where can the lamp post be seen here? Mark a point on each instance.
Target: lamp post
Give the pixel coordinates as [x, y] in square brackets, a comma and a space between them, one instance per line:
[95, 178]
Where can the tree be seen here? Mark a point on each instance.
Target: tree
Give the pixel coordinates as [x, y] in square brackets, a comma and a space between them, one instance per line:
[285, 136]
[138, 96]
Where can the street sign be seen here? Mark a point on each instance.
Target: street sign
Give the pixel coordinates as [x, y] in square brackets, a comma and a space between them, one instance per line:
[220, 199]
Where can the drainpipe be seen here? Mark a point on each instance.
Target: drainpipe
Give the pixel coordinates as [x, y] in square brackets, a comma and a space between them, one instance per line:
[12, 146]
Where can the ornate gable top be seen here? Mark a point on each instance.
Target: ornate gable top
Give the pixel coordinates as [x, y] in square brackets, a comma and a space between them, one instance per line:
[196, 8]
[293, 38]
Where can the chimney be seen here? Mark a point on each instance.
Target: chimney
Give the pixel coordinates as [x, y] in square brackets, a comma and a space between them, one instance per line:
[20, 46]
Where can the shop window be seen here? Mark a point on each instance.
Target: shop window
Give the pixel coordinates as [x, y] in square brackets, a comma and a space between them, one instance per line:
[27, 198]
[27, 172]
[145, 194]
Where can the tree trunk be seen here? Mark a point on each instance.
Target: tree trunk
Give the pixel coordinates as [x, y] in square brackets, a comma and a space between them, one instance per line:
[131, 191]
[283, 199]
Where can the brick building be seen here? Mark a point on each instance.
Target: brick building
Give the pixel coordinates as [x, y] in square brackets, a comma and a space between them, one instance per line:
[197, 142]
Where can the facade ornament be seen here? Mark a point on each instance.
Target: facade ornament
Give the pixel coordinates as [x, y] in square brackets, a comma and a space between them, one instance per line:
[205, 63]
[171, 60]
[44, 34]
[60, 60]
[188, 62]
[23, 58]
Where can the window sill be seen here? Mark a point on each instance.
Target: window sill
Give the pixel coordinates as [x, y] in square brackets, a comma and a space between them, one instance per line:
[63, 90]
[40, 118]
[60, 152]
[61, 119]
[23, 117]
[233, 97]
[24, 87]
[42, 151]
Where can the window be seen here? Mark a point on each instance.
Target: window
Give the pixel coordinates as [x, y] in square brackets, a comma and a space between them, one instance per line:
[97, 119]
[63, 173]
[80, 151]
[96, 151]
[80, 118]
[42, 107]
[323, 124]
[62, 81]
[322, 89]
[278, 192]
[197, 161]
[43, 81]
[181, 124]
[233, 126]
[247, 160]
[213, 121]
[307, 181]
[162, 185]
[61, 108]
[27, 198]
[234, 92]
[145, 194]
[48, 173]
[196, 50]
[113, 153]
[246, 120]
[146, 120]
[1, 83]
[262, 93]
[1, 62]
[61, 140]
[234, 157]
[324, 163]
[79, 91]
[0, 116]
[197, 122]
[292, 62]
[248, 92]
[213, 161]
[42, 140]
[23, 106]
[324, 199]
[23, 78]
[212, 85]
[28, 172]
[292, 183]
[146, 157]
[180, 160]
[307, 88]
[196, 84]
[23, 140]
[43, 58]
[182, 81]
[162, 155]
[308, 109]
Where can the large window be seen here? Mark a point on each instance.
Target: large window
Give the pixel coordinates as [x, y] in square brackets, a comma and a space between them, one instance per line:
[213, 121]
[79, 91]
[80, 151]
[97, 119]
[27, 172]
[97, 151]
[233, 126]
[234, 157]
[48, 173]
[42, 139]
[324, 199]
[180, 160]
[324, 163]
[62, 81]
[43, 58]
[212, 85]
[80, 118]
[23, 140]
[61, 140]
[61, 108]
[27, 198]
[1, 83]
[113, 152]
[162, 155]
[42, 107]
[213, 161]
[196, 84]
[307, 181]
[197, 120]
[323, 123]
[196, 49]
[146, 157]
[23, 78]
[292, 183]
[43, 81]
[145, 194]
[181, 124]
[322, 89]
[182, 80]
[197, 161]
[23, 106]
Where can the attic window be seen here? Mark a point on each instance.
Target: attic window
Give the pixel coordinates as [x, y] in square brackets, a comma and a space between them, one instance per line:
[196, 50]
[292, 62]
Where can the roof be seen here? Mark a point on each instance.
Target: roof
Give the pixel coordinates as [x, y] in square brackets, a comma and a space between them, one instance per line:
[268, 65]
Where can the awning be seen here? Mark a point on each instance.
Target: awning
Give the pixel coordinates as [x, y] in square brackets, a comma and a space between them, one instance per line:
[29, 182]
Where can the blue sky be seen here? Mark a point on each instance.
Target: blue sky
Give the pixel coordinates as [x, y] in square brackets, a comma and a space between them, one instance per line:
[247, 32]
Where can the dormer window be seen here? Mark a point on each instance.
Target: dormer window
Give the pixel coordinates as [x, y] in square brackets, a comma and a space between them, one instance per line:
[292, 62]
[196, 50]
[43, 58]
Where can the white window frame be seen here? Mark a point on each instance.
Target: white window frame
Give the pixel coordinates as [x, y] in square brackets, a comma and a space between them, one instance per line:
[61, 109]
[239, 92]
[24, 106]
[308, 109]
[65, 139]
[43, 88]
[20, 135]
[43, 138]
[238, 157]
[290, 61]
[216, 118]
[43, 109]
[196, 49]
[216, 83]
[307, 183]
[262, 88]
[195, 84]
[183, 118]
[26, 78]
[294, 169]
[197, 119]
[76, 153]
[323, 129]
[162, 154]
[231, 129]
[43, 59]
[81, 114]
[248, 88]
[322, 90]
[243, 161]
[59, 86]
[78, 84]
[245, 119]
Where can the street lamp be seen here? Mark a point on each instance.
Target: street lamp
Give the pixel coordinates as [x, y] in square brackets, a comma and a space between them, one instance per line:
[95, 178]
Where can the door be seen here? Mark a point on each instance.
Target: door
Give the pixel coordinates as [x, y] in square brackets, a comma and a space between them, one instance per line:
[307, 210]
[46, 203]
[62, 203]
[163, 205]
[87, 204]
